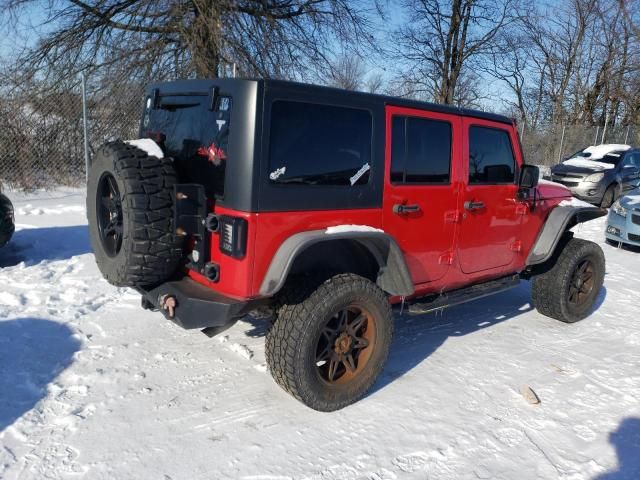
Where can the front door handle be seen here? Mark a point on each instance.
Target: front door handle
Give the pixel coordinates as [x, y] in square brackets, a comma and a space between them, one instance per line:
[400, 209]
[471, 205]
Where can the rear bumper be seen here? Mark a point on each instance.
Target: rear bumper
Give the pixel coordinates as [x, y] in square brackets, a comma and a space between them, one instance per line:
[196, 306]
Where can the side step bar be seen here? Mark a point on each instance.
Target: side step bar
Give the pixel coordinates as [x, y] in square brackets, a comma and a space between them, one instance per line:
[462, 295]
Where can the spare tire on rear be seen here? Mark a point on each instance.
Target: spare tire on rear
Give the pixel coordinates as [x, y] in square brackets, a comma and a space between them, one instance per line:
[130, 208]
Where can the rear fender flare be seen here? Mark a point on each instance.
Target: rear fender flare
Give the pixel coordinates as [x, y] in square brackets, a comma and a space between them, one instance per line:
[558, 222]
[393, 275]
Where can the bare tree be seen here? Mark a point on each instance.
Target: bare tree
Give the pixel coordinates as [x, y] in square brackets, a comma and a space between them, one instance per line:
[347, 72]
[445, 38]
[155, 38]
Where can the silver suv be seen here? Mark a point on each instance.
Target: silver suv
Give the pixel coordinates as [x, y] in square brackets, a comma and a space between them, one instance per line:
[600, 174]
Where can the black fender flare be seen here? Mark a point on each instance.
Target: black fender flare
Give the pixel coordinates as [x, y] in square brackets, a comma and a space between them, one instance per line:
[393, 275]
[558, 222]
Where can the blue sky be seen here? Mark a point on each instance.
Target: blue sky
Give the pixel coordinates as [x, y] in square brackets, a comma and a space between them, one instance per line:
[34, 15]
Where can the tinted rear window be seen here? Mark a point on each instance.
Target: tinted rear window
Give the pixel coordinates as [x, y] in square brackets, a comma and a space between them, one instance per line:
[187, 129]
[314, 144]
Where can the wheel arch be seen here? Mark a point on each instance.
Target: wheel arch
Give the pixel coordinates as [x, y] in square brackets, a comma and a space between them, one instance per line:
[374, 255]
[559, 221]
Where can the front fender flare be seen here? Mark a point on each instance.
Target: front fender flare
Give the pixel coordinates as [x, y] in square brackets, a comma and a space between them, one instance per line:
[559, 221]
[393, 274]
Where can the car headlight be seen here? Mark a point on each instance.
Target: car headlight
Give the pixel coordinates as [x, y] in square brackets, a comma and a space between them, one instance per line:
[619, 209]
[594, 177]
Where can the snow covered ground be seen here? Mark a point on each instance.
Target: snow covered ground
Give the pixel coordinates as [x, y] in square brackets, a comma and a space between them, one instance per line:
[92, 386]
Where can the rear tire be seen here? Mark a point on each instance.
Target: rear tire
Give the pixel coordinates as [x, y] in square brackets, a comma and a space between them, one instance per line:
[568, 290]
[130, 208]
[7, 221]
[330, 340]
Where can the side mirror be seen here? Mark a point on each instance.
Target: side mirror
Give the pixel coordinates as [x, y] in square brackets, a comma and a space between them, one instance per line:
[529, 176]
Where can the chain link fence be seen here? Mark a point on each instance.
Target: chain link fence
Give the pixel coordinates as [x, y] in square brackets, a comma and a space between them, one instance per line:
[549, 145]
[42, 137]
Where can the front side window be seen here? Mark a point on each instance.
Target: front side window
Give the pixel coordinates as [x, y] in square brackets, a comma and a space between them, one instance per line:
[491, 159]
[420, 150]
[312, 144]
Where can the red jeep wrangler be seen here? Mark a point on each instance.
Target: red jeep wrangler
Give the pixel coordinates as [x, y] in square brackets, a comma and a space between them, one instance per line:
[328, 207]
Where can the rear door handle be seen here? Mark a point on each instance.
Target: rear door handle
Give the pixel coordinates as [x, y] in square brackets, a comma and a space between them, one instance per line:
[470, 205]
[400, 209]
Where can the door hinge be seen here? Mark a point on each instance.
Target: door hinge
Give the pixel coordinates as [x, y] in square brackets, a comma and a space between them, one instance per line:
[446, 258]
[452, 216]
[516, 246]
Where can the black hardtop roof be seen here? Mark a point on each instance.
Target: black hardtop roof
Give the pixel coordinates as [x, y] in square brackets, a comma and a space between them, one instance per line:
[177, 87]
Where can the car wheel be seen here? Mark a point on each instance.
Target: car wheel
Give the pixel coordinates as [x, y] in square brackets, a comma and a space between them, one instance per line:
[7, 221]
[609, 197]
[131, 216]
[330, 340]
[568, 290]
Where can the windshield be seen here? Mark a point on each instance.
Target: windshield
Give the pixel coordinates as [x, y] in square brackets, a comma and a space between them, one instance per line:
[612, 158]
[194, 134]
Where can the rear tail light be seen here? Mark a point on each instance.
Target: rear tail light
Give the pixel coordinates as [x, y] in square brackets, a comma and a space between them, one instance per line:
[233, 236]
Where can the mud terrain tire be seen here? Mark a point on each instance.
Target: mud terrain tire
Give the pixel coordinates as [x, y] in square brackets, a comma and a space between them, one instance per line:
[7, 225]
[130, 208]
[568, 290]
[310, 321]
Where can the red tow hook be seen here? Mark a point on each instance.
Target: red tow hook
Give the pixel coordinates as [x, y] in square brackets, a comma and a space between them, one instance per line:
[168, 303]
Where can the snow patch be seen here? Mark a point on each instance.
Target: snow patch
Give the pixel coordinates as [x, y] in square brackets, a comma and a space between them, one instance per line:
[148, 145]
[599, 151]
[549, 182]
[632, 199]
[583, 162]
[574, 202]
[351, 228]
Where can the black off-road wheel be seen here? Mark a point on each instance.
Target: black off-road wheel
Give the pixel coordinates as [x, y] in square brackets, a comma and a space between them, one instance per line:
[330, 340]
[130, 208]
[7, 220]
[609, 197]
[568, 290]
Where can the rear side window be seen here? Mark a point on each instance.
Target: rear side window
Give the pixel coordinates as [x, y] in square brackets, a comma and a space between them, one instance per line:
[313, 144]
[491, 158]
[420, 150]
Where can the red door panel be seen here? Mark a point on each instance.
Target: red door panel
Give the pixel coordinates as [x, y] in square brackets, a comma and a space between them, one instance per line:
[491, 219]
[421, 215]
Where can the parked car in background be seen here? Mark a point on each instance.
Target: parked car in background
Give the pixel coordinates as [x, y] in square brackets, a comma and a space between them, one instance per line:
[623, 223]
[600, 174]
[7, 222]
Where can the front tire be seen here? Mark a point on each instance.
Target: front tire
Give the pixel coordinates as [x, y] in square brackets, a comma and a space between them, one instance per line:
[568, 290]
[609, 197]
[330, 340]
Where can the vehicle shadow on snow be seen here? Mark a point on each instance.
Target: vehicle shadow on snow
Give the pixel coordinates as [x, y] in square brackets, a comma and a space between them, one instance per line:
[33, 352]
[417, 337]
[626, 440]
[34, 245]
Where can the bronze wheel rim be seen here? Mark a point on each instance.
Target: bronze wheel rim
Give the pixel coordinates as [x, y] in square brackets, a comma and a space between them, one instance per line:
[345, 345]
[582, 283]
